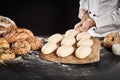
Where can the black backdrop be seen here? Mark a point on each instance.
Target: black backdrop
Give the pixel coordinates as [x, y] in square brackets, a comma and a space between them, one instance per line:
[42, 17]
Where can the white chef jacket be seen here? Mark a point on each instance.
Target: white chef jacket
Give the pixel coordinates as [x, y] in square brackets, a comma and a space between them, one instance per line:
[105, 13]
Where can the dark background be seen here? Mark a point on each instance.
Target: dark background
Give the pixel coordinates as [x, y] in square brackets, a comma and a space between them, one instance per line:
[42, 17]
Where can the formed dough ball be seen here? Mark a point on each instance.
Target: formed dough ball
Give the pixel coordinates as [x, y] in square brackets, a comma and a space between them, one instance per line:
[55, 38]
[49, 48]
[71, 33]
[83, 51]
[83, 35]
[85, 42]
[68, 41]
[64, 51]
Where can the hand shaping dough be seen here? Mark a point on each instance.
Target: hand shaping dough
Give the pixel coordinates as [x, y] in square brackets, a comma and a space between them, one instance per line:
[49, 48]
[55, 38]
[64, 51]
[71, 33]
[83, 35]
[68, 41]
[85, 42]
[83, 51]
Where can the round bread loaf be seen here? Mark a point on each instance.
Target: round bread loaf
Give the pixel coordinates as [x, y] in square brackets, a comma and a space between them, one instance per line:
[71, 33]
[83, 35]
[55, 38]
[21, 47]
[35, 42]
[49, 48]
[83, 51]
[6, 24]
[64, 51]
[109, 40]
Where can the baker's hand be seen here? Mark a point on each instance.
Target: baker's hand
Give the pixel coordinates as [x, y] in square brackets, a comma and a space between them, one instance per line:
[78, 26]
[85, 26]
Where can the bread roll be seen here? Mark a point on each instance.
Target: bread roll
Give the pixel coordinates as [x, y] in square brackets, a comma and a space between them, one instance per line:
[17, 34]
[68, 41]
[83, 52]
[55, 38]
[49, 48]
[64, 51]
[4, 43]
[6, 24]
[35, 42]
[6, 53]
[71, 33]
[21, 47]
[109, 40]
[83, 35]
[85, 42]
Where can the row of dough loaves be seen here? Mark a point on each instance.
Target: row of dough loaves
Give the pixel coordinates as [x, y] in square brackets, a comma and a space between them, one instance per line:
[69, 43]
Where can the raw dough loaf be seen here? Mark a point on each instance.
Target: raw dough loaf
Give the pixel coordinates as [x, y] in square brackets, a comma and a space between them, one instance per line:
[68, 41]
[85, 42]
[64, 51]
[55, 38]
[49, 48]
[71, 33]
[83, 35]
[83, 52]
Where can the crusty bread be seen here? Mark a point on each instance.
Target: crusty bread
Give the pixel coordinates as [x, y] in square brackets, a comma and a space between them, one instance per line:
[17, 34]
[6, 24]
[72, 59]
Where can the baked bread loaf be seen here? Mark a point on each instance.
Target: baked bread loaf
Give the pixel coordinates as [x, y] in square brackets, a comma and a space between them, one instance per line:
[21, 47]
[35, 42]
[17, 34]
[109, 40]
[6, 54]
[4, 43]
[6, 24]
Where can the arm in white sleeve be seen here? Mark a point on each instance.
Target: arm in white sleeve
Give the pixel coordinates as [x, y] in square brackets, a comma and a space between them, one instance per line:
[109, 21]
[83, 5]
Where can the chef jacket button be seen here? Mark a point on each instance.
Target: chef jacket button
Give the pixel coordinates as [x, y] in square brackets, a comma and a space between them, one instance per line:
[89, 12]
[94, 15]
[94, 29]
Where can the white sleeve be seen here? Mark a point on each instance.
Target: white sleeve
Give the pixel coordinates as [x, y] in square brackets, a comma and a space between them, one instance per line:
[109, 22]
[83, 4]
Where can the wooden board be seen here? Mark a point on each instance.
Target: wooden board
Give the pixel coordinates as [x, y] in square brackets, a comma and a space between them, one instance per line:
[72, 59]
